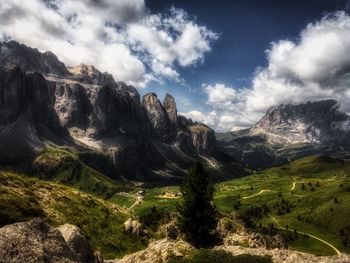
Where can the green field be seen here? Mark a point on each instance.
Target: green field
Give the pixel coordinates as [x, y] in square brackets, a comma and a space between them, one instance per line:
[320, 208]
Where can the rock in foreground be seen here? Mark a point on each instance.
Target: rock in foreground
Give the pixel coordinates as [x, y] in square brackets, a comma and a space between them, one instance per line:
[165, 250]
[36, 241]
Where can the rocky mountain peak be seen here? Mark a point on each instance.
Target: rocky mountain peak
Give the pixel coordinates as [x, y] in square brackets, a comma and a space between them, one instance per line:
[155, 111]
[30, 59]
[311, 122]
[170, 107]
[89, 74]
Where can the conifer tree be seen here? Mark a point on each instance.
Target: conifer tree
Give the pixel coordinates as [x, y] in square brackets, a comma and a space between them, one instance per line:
[197, 215]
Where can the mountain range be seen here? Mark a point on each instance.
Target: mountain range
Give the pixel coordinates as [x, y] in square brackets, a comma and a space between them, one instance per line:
[44, 104]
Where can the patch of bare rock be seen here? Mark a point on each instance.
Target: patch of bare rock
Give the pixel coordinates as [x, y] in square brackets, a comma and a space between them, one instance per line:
[36, 241]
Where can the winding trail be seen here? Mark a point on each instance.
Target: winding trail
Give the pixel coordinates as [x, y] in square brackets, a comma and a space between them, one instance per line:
[303, 233]
[261, 192]
[311, 179]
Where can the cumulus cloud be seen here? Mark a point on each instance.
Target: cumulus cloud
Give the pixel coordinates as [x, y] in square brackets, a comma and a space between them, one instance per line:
[315, 67]
[227, 105]
[121, 37]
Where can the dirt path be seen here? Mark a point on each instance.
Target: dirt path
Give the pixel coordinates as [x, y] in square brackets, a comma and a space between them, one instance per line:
[293, 186]
[303, 233]
[139, 199]
[311, 179]
[261, 192]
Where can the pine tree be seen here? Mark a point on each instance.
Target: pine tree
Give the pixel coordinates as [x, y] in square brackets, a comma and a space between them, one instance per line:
[197, 216]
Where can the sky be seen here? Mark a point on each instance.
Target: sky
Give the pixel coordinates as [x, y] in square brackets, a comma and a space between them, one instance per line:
[225, 62]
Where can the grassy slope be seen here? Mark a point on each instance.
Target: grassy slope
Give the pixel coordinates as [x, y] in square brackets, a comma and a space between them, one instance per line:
[314, 205]
[63, 165]
[22, 198]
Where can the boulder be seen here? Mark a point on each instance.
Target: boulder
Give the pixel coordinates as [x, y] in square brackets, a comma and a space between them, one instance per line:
[36, 241]
[77, 242]
[133, 227]
[159, 251]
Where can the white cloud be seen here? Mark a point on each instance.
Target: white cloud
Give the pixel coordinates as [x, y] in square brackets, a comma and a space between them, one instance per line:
[209, 119]
[121, 37]
[315, 67]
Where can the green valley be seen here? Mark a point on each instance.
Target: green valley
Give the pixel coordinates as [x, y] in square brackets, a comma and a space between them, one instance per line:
[310, 195]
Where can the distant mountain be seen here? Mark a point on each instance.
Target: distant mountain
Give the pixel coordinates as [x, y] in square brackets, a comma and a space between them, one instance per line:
[289, 132]
[43, 103]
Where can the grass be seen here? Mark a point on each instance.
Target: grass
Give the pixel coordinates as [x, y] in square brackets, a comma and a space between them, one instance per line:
[23, 198]
[64, 166]
[157, 197]
[311, 212]
[310, 245]
[313, 209]
[122, 200]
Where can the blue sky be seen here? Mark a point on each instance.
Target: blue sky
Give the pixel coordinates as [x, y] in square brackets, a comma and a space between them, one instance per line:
[246, 29]
[225, 62]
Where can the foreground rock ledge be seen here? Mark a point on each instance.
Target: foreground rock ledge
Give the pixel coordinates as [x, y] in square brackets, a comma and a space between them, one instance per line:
[163, 250]
[36, 241]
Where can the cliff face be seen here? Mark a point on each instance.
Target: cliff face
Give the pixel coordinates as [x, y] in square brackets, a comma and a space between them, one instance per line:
[312, 122]
[288, 132]
[26, 115]
[29, 59]
[42, 101]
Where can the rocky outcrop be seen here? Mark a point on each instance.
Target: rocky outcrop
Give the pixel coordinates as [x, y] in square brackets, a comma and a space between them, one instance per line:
[203, 138]
[159, 251]
[36, 241]
[90, 75]
[192, 138]
[156, 113]
[134, 227]
[98, 111]
[170, 108]
[312, 122]
[77, 242]
[30, 59]
[165, 250]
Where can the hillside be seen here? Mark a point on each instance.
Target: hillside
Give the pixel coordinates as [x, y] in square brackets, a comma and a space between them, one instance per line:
[277, 196]
[67, 166]
[23, 198]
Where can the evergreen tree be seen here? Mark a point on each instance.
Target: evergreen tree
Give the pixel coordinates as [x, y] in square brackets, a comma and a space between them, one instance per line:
[197, 215]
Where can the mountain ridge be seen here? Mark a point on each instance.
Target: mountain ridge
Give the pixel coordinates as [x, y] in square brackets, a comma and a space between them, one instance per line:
[81, 107]
[288, 132]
